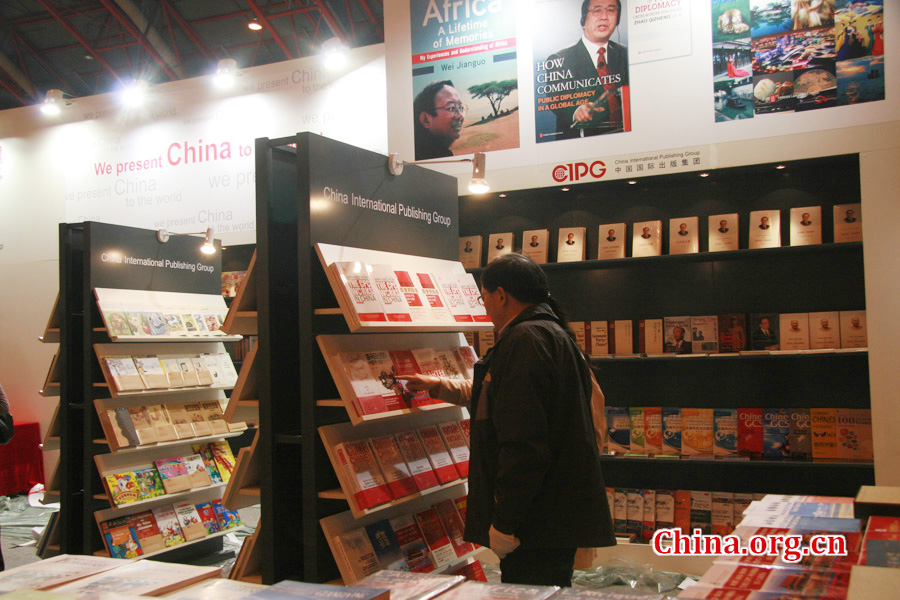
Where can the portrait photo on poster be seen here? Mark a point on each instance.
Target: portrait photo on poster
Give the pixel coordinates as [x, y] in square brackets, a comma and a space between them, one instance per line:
[581, 69]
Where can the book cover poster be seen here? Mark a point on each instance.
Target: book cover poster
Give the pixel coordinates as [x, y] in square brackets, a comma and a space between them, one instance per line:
[732, 332]
[579, 91]
[806, 226]
[677, 335]
[764, 331]
[534, 244]
[794, 331]
[853, 329]
[847, 223]
[470, 251]
[723, 232]
[499, 244]
[705, 334]
[611, 241]
[824, 330]
[765, 229]
[646, 239]
[684, 237]
[464, 80]
[571, 244]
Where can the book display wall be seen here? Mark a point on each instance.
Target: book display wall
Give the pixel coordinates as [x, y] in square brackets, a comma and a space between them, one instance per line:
[326, 212]
[144, 372]
[625, 303]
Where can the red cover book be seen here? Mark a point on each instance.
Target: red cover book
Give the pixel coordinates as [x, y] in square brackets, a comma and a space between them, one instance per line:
[405, 364]
[464, 426]
[438, 454]
[366, 482]
[461, 506]
[472, 572]
[750, 432]
[395, 470]
[683, 510]
[414, 454]
[454, 526]
[148, 533]
[436, 537]
[456, 443]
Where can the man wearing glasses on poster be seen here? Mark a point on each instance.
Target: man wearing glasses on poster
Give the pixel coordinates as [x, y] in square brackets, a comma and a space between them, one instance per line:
[439, 119]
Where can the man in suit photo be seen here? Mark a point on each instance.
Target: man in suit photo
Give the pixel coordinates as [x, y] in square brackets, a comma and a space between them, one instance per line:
[600, 62]
[611, 235]
[678, 344]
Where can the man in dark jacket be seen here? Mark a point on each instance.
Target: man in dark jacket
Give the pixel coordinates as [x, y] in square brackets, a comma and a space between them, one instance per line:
[536, 492]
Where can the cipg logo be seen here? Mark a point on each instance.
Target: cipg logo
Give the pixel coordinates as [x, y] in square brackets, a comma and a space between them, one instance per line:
[579, 170]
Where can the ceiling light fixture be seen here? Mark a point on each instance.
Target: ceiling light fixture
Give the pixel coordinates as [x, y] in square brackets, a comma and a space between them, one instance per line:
[208, 247]
[254, 25]
[704, 174]
[226, 71]
[632, 181]
[477, 185]
[53, 102]
[134, 95]
[781, 167]
[334, 53]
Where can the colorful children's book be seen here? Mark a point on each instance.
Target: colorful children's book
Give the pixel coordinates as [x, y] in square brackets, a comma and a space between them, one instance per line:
[149, 535]
[123, 488]
[208, 515]
[221, 451]
[191, 524]
[168, 524]
[149, 483]
[174, 474]
[121, 538]
[228, 519]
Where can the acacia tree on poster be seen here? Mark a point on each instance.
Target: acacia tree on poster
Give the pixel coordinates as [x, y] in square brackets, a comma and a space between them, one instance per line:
[494, 92]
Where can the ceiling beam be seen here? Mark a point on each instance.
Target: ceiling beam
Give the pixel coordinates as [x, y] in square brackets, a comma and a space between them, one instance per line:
[39, 57]
[268, 27]
[188, 30]
[332, 21]
[14, 73]
[379, 27]
[130, 17]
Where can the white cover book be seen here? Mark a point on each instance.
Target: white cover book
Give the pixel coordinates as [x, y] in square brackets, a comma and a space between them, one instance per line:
[651, 333]
[723, 232]
[415, 299]
[847, 223]
[806, 226]
[124, 373]
[54, 571]
[579, 329]
[611, 241]
[624, 336]
[141, 578]
[599, 338]
[448, 364]
[428, 362]
[152, 372]
[571, 244]
[466, 358]
[448, 284]
[684, 235]
[356, 548]
[499, 244]
[705, 334]
[824, 330]
[470, 251]
[393, 301]
[434, 298]
[765, 229]
[535, 243]
[472, 292]
[794, 331]
[853, 329]
[646, 239]
[405, 585]
[229, 373]
[359, 291]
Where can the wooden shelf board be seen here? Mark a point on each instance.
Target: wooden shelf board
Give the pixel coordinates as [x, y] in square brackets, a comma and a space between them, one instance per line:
[196, 440]
[184, 545]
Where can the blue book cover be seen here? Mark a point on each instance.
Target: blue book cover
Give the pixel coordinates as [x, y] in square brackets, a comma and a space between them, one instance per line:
[387, 548]
[883, 553]
[776, 434]
[725, 432]
[671, 438]
[618, 422]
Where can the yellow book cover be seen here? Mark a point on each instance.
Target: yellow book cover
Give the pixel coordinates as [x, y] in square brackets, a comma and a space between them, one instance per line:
[697, 432]
[824, 435]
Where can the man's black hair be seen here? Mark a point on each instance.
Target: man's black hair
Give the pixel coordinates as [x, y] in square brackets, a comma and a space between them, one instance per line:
[424, 102]
[584, 11]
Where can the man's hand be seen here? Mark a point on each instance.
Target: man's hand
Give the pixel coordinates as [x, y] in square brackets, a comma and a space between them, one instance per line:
[417, 383]
[502, 543]
[586, 112]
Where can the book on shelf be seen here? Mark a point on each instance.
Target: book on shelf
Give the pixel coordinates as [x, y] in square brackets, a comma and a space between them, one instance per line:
[472, 293]
[439, 546]
[750, 433]
[181, 421]
[653, 430]
[571, 246]
[618, 423]
[404, 585]
[535, 243]
[776, 434]
[646, 239]
[438, 455]
[824, 330]
[121, 538]
[144, 428]
[732, 332]
[597, 337]
[355, 548]
[212, 413]
[683, 510]
[697, 432]
[151, 372]
[196, 469]
[173, 473]
[199, 424]
[116, 323]
[677, 332]
[636, 441]
[452, 294]
[801, 582]
[124, 373]
[149, 483]
[367, 485]
[455, 441]
[298, 590]
[358, 291]
[54, 571]
[649, 517]
[701, 511]
[621, 337]
[413, 548]
[620, 510]
[372, 391]
[764, 331]
[722, 513]
[137, 321]
[466, 358]
[880, 546]
[650, 336]
[806, 225]
[454, 526]
[449, 365]
[221, 451]
[173, 371]
[385, 545]
[764, 229]
[579, 329]
[665, 509]
[417, 458]
[634, 512]
[141, 578]
[853, 434]
[189, 519]
[470, 251]
[436, 302]
[461, 503]
[464, 425]
[723, 232]
[725, 439]
[149, 535]
[203, 374]
[169, 526]
[705, 334]
[162, 424]
[123, 487]
[671, 431]
[208, 517]
[118, 428]
[611, 243]
[395, 470]
[499, 244]
[822, 422]
[419, 311]
[800, 437]
[793, 331]
[847, 223]
[684, 235]
[418, 360]
[387, 286]
[228, 519]
[853, 329]
[157, 323]
[476, 590]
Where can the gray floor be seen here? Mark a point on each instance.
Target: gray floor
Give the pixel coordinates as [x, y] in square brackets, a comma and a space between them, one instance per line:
[18, 520]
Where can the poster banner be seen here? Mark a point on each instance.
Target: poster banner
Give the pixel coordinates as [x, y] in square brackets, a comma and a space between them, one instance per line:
[659, 29]
[776, 56]
[580, 92]
[465, 86]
